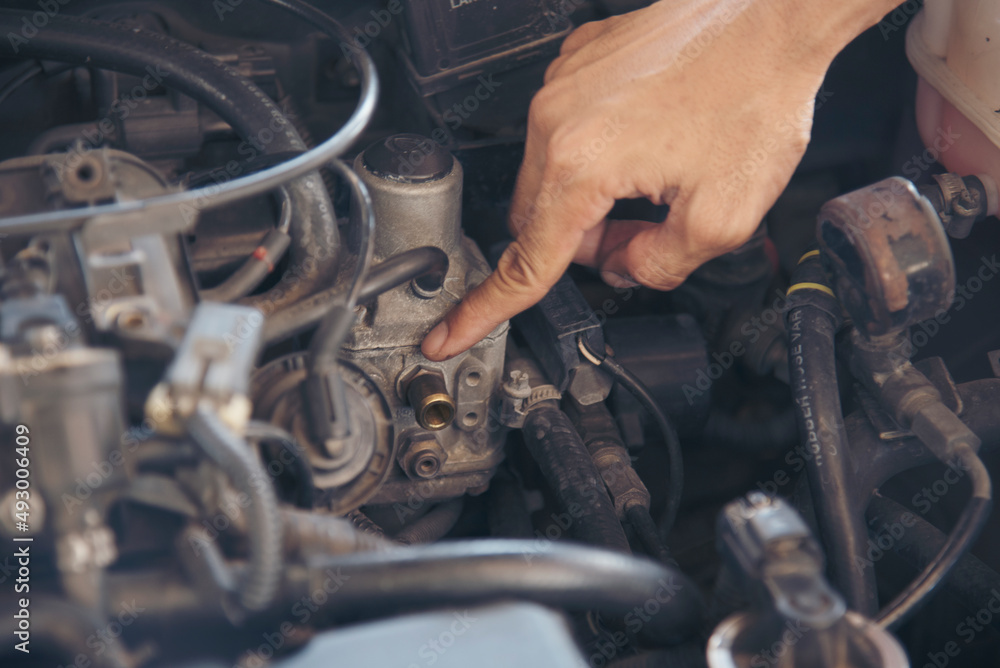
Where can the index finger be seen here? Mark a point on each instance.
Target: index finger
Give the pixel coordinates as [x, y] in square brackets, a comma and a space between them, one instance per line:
[526, 271]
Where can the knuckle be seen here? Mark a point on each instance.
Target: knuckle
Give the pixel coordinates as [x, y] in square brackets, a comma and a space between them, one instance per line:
[543, 110]
[517, 272]
[582, 35]
[654, 275]
[553, 69]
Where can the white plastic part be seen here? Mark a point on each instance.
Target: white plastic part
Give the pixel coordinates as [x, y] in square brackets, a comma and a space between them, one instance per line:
[955, 48]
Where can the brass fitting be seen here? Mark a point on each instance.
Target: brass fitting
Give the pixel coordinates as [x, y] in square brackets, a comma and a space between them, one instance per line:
[433, 407]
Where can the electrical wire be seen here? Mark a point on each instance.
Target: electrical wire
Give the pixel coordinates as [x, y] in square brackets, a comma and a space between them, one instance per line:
[674, 455]
[366, 230]
[245, 186]
[29, 73]
[963, 536]
[328, 414]
[261, 262]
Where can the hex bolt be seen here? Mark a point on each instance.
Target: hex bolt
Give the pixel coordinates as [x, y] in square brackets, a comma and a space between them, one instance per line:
[422, 457]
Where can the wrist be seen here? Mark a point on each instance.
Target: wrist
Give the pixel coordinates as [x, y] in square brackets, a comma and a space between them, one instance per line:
[818, 31]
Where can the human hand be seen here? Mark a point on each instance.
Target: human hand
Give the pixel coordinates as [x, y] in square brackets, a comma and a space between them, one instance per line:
[705, 105]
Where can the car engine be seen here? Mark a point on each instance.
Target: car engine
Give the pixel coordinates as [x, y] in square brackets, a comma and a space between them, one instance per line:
[227, 226]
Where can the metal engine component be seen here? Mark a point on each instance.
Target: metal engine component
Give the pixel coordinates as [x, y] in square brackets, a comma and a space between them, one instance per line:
[124, 281]
[221, 444]
[61, 404]
[894, 263]
[796, 611]
[427, 430]
[416, 189]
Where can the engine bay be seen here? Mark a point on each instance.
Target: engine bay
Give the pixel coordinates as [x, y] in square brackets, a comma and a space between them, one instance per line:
[225, 229]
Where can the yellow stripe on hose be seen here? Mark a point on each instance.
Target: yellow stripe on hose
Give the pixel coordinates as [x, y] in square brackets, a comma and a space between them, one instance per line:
[810, 286]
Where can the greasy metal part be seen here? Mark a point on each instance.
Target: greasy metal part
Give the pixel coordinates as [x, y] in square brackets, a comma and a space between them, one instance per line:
[961, 202]
[416, 191]
[422, 457]
[881, 363]
[130, 281]
[600, 435]
[62, 402]
[351, 475]
[433, 407]
[892, 258]
[212, 365]
[769, 545]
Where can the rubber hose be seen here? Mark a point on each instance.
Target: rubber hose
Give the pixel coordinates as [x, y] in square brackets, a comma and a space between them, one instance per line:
[433, 526]
[310, 533]
[569, 469]
[182, 67]
[425, 261]
[557, 574]
[812, 319]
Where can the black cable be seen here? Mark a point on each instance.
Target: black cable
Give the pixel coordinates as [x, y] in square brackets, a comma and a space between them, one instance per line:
[366, 231]
[264, 528]
[921, 542]
[30, 72]
[960, 540]
[674, 455]
[326, 397]
[648, 533]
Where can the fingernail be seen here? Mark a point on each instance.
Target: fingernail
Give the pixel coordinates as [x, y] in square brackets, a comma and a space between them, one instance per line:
[616, 280]
[435, 340]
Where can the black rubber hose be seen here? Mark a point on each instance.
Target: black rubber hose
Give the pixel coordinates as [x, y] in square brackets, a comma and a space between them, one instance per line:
[264, 526]
[61, 628]
[238, 101]
[960, 540]
[919, 542]
[427, 261]
[555, 574]
[433, 526]
[812, 321]
[569, 469]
